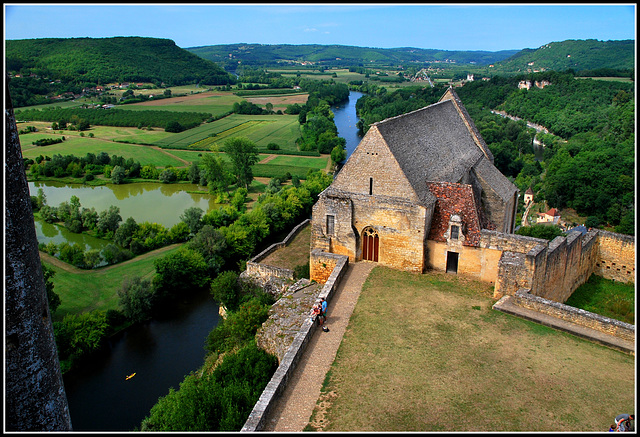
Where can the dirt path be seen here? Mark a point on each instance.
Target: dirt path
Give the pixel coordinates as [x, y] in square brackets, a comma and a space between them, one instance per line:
[293, 409]
[267, 159]
[73, 269]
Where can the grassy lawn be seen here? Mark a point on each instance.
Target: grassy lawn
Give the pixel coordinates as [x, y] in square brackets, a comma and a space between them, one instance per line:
[294, 254]
[427, 353]
[87, 290]
[606, 297]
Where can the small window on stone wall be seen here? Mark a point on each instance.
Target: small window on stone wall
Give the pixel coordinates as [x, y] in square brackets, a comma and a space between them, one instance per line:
[370, 186]
[330, 225]
[454, 231]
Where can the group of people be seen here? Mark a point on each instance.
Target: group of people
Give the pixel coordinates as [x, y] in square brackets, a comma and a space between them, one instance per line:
[623, 423]
[319, 311]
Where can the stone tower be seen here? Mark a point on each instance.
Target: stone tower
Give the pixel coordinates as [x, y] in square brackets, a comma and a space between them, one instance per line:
[35, 399]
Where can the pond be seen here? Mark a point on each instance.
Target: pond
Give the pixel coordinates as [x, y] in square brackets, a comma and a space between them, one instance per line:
[145, 202]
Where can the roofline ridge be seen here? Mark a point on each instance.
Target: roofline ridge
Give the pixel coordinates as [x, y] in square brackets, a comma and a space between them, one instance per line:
[407, 113]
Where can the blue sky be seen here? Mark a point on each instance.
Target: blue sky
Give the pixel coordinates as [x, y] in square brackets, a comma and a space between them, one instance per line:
[489, 27]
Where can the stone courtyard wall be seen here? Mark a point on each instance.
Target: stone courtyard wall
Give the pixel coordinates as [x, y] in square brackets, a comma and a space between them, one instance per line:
[616, 257]
[554, 270]
[578, 316]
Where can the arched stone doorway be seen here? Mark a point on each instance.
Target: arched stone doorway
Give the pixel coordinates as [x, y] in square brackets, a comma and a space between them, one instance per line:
[370, 244]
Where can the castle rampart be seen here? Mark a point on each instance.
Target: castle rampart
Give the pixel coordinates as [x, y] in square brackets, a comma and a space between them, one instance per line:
[555, 270]
[616, 256]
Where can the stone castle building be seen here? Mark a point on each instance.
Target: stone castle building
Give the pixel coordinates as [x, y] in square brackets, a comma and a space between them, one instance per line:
[416, 192]
[420, 192]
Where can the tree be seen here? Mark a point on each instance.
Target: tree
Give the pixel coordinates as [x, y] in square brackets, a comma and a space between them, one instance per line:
[226, 290]
[167, 176]
[117, 175]
[125, 232]
[136, 298]
[243, 154]
[338, 154]
[181, 272]
[211, 244]
[194, 172]
[174, 127]
[215, 172]
[192, 218]
[52, 297]
[547, 232]
[109, 220]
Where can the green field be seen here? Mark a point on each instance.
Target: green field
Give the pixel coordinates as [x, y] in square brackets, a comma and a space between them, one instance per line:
[180, 149]
[262, 130]
[87, 290]
[79, 147]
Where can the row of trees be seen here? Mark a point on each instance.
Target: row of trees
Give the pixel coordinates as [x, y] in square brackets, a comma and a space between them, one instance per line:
[115, 117]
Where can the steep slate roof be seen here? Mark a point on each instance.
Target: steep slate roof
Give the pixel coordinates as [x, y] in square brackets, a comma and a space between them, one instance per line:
[431, 144]
[441, 143]
[502, 186]
[453, 96]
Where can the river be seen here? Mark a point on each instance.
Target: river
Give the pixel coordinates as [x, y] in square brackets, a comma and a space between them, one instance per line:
[160, 352]
[345, 119]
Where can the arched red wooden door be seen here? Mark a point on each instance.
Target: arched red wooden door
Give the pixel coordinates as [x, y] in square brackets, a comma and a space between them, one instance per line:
[370, 245]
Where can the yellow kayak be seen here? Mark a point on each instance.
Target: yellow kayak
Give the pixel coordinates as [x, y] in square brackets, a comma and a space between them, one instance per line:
[130, 376]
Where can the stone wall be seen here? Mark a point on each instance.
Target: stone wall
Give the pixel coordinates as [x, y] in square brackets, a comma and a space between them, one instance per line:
[578, 316]
[554, 270]
[277, 384]
[401, 227]
[35, 398]
[274, 280]
[480, 263]
[275, 246]
[616, 257]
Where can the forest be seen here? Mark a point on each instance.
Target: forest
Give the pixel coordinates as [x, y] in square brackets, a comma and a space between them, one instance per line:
[589, 162]
[57, 65]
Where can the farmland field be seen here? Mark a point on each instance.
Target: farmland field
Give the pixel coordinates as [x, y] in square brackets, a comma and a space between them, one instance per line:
[262, 130]
[215, 103]
[79, 147]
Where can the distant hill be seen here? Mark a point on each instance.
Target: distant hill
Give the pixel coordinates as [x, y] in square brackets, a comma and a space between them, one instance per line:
[578, 55]
[105, 60]
[338, 55]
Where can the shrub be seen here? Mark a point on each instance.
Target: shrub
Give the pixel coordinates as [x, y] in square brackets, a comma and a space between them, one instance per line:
[302, 271]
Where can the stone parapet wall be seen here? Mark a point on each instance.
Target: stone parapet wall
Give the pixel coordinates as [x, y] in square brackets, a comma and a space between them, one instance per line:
[578, 316]
[513, 274]
[321, 265]
[616, 256]
[256, 420]
[275, 246]
[263, 270]
[554, 270]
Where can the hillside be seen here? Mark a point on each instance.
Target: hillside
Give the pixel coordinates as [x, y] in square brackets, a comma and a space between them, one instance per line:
[578, 55]
[80, 62]
[338, 55]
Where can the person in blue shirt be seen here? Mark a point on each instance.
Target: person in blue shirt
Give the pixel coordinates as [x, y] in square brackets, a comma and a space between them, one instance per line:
[324, 310]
